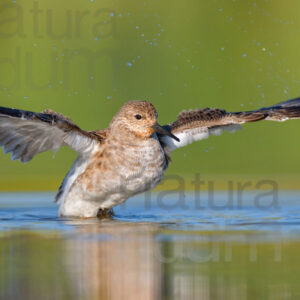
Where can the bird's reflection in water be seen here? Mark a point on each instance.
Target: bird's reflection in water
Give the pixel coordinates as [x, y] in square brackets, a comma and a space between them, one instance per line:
[109, 259]
[112, 260]
[116, 260]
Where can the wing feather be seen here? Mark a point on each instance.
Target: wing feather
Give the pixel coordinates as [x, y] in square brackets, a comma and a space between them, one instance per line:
[25, 134]
[195, 125]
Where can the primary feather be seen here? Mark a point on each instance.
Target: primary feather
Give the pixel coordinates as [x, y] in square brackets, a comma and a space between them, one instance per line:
[25, 134]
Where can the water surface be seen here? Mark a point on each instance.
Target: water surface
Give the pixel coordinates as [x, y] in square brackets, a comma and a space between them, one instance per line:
[157, 246]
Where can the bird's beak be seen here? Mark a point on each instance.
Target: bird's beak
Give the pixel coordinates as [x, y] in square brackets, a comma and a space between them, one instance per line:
[164, 131]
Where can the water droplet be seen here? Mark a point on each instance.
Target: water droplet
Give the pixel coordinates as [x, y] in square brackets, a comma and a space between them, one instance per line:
[96, 38]
[120, 15]
[92, 0]
[112, 14]
[185, 85]
[25, 97]
[222, 49]
[54, 47]
[92, 77]
[220, 9]
[138, 57]
[129, 64]
[137, 27]
[9, 95]
[244, 55]
[108, 97]
[259, 86]
[142, 35]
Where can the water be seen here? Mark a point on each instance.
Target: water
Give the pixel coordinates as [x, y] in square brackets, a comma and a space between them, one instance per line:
[157, 246]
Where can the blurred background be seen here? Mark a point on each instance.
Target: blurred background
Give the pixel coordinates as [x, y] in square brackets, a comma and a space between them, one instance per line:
[86, 58]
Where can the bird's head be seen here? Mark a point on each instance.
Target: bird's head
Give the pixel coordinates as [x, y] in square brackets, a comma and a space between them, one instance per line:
[140, 118]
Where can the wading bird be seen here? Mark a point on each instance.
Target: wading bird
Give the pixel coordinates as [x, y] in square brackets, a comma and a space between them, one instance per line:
[129, 157]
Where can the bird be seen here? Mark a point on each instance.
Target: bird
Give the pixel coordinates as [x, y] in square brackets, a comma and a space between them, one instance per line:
[128, 157]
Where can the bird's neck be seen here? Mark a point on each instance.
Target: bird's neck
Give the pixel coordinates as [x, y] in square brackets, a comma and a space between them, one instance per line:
[128, 138]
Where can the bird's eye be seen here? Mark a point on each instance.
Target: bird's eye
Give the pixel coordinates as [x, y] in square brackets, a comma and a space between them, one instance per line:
[138, 117]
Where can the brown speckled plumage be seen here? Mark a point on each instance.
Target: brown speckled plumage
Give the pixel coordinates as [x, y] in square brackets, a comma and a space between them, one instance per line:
[199, 117]
[130, 156]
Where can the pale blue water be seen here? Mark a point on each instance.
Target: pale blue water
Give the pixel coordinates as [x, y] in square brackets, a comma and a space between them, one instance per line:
[163, 247]
[36, 211]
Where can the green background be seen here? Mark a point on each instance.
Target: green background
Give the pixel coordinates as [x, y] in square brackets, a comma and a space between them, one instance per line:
[86, 58]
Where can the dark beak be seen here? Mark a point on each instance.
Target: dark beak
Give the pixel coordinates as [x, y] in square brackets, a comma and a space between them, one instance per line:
[161, 130]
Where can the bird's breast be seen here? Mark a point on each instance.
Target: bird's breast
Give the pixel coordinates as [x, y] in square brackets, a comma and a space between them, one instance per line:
[143, 166]
[117, 171]
[131, 168]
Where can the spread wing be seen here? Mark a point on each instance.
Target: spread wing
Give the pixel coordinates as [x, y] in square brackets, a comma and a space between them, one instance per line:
[25, 134]
[195, 125]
